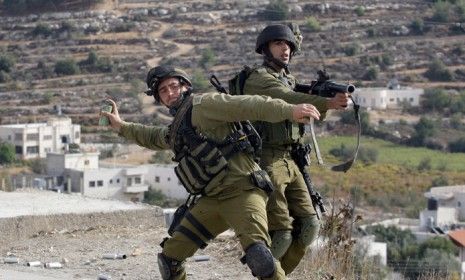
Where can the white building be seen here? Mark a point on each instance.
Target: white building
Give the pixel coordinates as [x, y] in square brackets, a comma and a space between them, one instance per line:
[385, 98]
[84, 175]
[37, 139]
[446, 206]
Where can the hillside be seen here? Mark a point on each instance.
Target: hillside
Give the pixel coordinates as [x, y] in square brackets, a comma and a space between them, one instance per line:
[116, 42]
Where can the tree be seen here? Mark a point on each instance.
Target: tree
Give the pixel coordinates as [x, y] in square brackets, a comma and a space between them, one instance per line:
[435, 100]
[423, 129]
[277, 10]
[7, 153]
[437, 71]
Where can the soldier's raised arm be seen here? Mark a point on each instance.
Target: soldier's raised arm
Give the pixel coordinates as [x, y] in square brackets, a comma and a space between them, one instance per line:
[151, 137]
[228, 108]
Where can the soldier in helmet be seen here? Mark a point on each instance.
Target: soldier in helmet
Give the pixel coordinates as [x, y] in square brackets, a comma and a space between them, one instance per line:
[292, 220]
[213, 150]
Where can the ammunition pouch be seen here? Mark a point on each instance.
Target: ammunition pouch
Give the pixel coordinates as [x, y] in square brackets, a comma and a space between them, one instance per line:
[262, 181]
[201, 166]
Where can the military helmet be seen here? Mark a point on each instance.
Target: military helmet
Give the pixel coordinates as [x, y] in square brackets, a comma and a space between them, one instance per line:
[275, 32]
[157, 74]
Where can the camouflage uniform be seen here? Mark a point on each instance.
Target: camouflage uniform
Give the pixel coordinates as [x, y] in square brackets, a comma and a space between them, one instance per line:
[234, 202]
[291, 217]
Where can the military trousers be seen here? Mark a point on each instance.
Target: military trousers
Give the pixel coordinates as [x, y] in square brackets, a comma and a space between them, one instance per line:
[245, 213]
[289, 201]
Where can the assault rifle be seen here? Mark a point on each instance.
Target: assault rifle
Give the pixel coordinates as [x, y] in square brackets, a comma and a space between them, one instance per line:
[324, 87]
[300, 154]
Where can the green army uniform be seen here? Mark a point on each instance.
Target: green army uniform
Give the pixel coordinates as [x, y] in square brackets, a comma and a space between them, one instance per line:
[290, 202]
[234, 202]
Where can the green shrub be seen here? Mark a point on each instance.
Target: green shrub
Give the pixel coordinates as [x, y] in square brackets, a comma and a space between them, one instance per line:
[207, 59]
[441, 11]
[312, 24]
[371, 74]
[457, 146]
[199, 82]
[42, 29]
[360, 11]
[276, 10]
[4, 77]
[437, 71]
[352, 49]
[417, 26]
[7, 153]
[424, 165]
[6, 63]
[66, 67]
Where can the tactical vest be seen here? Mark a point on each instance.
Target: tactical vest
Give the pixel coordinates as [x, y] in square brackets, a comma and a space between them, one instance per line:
[203, 162]
[280, 133]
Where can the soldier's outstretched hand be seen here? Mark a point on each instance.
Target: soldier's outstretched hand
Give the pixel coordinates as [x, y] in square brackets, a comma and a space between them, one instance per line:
[303, 112]
[115, 119]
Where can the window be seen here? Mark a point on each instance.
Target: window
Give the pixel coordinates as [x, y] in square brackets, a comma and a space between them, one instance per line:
[32, 136]
[411, 99]
[391, 99]
[129, 181]
[117, 181]
[32, 150]
[169, 179]
[137, 180]
[459, 204]
[111, 181]
[9, 137]
[77, 135]
[18, 136]
[92, 184]
[157, 179]
[64, 139]
[99, 183]
[86, 162]
[47, 137]
[19, 149]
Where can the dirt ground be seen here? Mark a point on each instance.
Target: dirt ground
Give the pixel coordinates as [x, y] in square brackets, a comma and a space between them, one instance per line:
[81, 230]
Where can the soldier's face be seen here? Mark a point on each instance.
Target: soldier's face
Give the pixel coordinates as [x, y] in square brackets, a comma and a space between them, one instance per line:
[169, 90]
[281, 50]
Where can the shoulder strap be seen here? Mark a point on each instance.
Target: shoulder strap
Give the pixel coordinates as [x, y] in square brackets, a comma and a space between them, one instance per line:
[178, 118]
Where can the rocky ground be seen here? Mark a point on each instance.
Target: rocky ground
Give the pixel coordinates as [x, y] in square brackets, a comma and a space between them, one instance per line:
[82, 230]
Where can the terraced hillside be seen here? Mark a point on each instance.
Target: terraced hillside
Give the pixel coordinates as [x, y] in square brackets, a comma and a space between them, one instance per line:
[73, 60]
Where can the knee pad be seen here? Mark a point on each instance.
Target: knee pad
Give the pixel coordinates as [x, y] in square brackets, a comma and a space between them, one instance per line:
[280, 242]
[260, 260]
[310, 226]
[169, 268]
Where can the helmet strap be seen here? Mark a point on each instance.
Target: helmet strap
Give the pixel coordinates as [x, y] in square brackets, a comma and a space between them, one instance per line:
[274, 62]
[183, 96]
